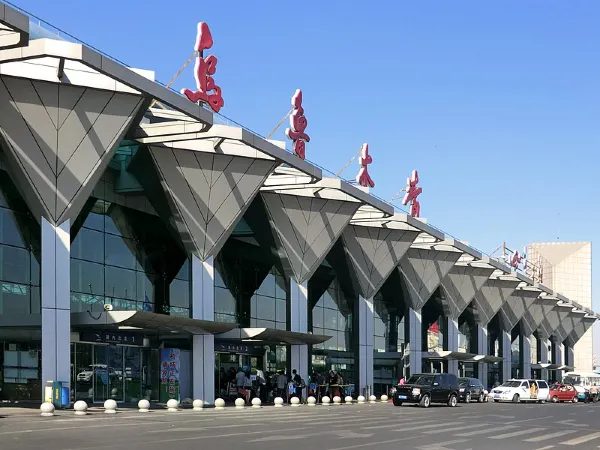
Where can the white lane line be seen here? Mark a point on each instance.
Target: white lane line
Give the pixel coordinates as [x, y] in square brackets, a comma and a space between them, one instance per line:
[529, 420]
[545, 437]
[423, 427]
[582, 439]
[517, 433]
[547, 447]
[442, 445]
[474, 433]
[451, 429]
[369, 444]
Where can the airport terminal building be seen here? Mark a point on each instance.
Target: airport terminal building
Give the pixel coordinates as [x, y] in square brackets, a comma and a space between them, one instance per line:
[146, 250]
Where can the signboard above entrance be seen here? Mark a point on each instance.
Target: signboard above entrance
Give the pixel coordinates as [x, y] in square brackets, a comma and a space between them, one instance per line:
[240, 348]
[111, 337]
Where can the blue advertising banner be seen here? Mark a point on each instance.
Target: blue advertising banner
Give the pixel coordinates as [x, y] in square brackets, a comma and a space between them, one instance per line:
[169, 374]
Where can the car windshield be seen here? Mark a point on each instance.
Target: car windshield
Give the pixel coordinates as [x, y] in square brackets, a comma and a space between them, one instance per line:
[511, 384]
[575, 380]
[463, 382]
[420, 379]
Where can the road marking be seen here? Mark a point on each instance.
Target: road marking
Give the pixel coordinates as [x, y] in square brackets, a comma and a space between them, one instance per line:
[369, 444]
[474, 433]
[582, 439]
[528, 420]
[517, 433]
[451, 429]
[424, 427]
[442, 445]
[550, 436]
[547, 447]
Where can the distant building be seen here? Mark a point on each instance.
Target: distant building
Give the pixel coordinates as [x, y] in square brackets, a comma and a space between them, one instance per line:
[566, 267]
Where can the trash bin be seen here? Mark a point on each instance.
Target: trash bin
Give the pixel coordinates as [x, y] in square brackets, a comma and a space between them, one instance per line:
[65, 401]
[48, 392]
[57, 394]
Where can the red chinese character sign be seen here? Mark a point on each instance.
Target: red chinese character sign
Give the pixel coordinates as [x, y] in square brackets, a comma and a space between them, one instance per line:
[412, 192]
[516, 259]
[206, 89]
[363, 178]
[298, 124]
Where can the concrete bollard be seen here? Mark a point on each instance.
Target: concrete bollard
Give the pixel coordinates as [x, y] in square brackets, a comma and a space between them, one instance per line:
[198, 405]
[360, 400]
[240, 403]
[311, 401]
[372, 399]
[47, 409]
[144, 406]
[384, 398]
[110, 406]
[326, 401]
[337, 400]
[172, 405]
[278, 402]
[80, 408]
[256, 402]
[295, 401]
[219, 404]
[348, 400]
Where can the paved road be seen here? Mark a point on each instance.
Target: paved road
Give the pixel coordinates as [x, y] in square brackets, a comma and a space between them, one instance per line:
[380, 426]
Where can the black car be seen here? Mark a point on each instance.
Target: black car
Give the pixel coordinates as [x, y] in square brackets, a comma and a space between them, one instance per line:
[470, 389]
[427, 388]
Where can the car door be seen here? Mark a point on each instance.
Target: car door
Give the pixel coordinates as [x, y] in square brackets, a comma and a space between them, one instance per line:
[524, 391]
[543, 390]
[437, 388]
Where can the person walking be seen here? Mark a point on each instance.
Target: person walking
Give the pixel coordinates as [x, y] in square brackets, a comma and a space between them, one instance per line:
[298, 385]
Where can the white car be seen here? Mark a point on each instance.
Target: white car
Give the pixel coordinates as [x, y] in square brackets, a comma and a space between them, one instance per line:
[520, 391]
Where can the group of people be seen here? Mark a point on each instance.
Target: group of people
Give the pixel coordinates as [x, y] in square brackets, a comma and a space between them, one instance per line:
[248, 384]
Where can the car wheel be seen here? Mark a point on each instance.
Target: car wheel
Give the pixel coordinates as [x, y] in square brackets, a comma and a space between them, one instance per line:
[575, 399]
[496, 401]
[468, 398]
[396, 402]
[516, 398]
[425, 402]
[452, 401]
[480, 399]
[555, 399]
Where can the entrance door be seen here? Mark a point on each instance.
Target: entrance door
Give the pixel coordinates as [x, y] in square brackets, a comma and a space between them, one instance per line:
[109, 373]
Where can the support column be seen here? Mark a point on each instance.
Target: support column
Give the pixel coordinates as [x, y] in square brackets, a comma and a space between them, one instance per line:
[365, 343]
[543, 346]
[506, 355]
[482, 349]
[203, 308]
[569, 356]
[299, 323]
[415, 340]
[56, 302]
[452, 344]
[525, 352]
[559, 359]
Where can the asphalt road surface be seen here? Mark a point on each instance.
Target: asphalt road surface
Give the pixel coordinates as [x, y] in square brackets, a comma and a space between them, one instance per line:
[379, 426]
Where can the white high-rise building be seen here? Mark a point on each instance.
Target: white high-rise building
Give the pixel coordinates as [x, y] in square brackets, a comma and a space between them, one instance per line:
[566, 267]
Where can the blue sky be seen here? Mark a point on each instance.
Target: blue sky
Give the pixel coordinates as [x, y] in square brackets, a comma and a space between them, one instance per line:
[495, 103]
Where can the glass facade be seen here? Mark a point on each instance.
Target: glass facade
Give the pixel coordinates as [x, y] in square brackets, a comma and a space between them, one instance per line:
[388, 328]
[126, 258]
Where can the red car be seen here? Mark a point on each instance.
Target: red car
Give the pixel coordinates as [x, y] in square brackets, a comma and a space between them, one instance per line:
[563, 393]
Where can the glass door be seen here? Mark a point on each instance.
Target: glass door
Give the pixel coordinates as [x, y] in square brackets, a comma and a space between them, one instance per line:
[109, 373]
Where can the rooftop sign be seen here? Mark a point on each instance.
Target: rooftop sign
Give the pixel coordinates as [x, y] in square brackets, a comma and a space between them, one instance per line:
[412, 192]
[363, 178]
[298, 124]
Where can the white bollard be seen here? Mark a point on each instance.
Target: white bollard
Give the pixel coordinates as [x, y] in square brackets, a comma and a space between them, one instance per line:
[311, 401]
[172, 405]
[337, 400]
[326, 401]
[219, 403]
[361, 399]
[278, 402]
[198, 405]
[240, 403]
[372, 399]
[144, 406]
[256, 402]
[384, 398]
[295, 401]
[110, 406]
[47, 409]
[348, 400]
[80, 408]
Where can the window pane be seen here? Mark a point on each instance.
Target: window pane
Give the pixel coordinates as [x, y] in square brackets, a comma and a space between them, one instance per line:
[224, 302]
[265, 308]
[317, 314]
[14, 299]
[180, 293]
[330, 319]
[264, 323]
[145, 287]
[15, 264]
[94, 221]
[281, 311]
[267, 287]
[280, 287]
[87, 277]
[9, 229]
[112, 228]
[120, 252]
[88, 245]
[120, 283]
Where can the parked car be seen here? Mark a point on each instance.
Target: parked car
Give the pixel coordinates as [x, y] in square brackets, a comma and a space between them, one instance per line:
[471, 389]
[522, 390]
[427, 388]
[561, 392]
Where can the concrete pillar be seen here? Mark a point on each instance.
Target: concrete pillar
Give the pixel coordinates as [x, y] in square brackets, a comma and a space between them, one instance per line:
[452, 331]
[543, 346]
[482, 349]
[365, 342]
[506, 355]
[299, 323]
[525, 352]
[203, 308]
[56, 302]
[415, 340]
[569, 356]
[559, 359]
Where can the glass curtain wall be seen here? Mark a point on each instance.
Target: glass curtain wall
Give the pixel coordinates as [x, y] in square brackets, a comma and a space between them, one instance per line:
[20, 347]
